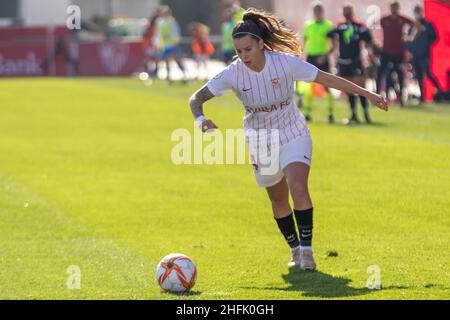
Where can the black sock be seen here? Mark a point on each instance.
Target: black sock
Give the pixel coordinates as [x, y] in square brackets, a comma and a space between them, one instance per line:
[352, 101]
[305, 225]
[363, 103]
[287, 228]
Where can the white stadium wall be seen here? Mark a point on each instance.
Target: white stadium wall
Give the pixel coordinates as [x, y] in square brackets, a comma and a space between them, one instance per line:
[53, 12]
[124, 8]
[43, 12]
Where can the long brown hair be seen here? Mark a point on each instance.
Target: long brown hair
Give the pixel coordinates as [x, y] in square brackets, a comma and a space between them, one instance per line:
[273, 31]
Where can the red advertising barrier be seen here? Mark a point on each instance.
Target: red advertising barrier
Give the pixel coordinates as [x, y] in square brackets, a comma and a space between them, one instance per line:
[22, 60]
[438, 12]
[110, 58]
[51, 51]
[24, 50]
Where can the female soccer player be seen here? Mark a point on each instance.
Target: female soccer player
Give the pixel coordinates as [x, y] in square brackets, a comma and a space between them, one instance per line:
[263, 79]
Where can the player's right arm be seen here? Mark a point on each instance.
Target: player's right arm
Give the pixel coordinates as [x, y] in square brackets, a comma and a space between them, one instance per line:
[217, 86]
[196, 103]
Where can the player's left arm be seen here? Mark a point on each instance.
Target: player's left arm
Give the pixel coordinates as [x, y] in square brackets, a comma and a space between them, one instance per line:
[332, 81]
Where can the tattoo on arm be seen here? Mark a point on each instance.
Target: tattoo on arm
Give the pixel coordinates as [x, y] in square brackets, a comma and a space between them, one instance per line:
[198, 98]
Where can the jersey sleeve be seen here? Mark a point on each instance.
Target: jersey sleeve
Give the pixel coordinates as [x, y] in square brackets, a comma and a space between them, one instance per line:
[333, 33]
[365, 34]
[301, 70]
[330, 26]
[221, 83]
[407, 20]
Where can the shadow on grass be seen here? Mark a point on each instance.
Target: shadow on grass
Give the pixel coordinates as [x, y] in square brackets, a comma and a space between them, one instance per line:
[318, 284]
[365, 124]
[427, 107]
[182, 294]
[362, 124]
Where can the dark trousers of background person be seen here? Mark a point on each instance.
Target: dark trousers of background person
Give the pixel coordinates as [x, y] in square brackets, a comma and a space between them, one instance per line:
[228, 56]
[390, 64]
[422, 68]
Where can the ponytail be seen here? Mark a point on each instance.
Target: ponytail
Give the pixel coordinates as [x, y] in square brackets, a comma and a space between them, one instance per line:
[263, 25]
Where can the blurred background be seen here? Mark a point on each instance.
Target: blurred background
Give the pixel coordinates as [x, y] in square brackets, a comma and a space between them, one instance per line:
[112, 37]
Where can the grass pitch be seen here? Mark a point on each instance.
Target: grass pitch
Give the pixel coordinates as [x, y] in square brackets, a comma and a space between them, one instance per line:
[86, 179]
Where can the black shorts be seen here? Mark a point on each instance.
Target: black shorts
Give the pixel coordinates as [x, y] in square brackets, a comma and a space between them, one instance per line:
[324, 66]
[395, 60]
[350, 67]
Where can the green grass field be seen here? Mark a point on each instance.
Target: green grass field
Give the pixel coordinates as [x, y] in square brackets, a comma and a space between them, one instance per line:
[86, 179]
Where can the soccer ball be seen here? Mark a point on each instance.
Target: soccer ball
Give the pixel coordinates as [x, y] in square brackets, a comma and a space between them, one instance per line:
[176, 272]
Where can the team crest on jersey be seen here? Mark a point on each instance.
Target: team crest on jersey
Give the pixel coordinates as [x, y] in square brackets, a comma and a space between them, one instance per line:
[276, 82]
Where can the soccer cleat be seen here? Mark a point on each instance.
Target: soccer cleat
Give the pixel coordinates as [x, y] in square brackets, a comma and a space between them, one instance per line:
[352, 120]
[307, 260]
[295, 259]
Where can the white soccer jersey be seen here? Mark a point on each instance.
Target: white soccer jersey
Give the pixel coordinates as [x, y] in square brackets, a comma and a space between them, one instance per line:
[268, 96]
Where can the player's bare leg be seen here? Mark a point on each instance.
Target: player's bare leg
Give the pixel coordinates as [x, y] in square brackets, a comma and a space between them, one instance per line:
[297, 174]
[279, 197]
[282, 211]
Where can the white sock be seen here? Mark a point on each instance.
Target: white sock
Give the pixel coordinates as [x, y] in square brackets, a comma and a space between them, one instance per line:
[305, 248]
[296, 248]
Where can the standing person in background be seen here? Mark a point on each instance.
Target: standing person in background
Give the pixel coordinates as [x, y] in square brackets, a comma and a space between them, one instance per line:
[65, 49]
[317, 49]
[150, 43]
[238, 11]
[393, 51]
[424, 35]
[169, 37]
[350, 34]
[227, 39]
[202, 48]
